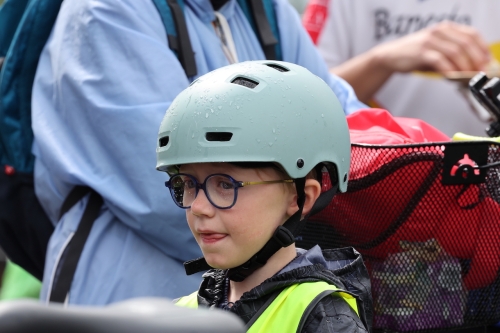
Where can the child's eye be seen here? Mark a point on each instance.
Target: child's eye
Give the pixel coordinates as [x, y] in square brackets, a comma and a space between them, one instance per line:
[188, 183]
[226, 185]
[220, 183]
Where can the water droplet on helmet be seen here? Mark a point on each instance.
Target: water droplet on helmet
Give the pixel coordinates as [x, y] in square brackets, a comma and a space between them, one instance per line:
[206, 115]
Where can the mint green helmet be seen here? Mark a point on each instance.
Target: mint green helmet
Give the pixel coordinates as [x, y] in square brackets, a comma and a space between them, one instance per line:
[257, 111]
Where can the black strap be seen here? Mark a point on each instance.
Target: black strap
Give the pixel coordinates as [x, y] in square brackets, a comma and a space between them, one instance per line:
[196, 265]
[76, 194]
[294, 223]
[266, 36]
[183, 43]
[66, 268]
[312, 305]
[262, 309]
[324, 200]
[283, 237]
[304, 316]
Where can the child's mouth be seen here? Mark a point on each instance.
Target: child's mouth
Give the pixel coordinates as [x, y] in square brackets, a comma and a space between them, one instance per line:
[211, 238]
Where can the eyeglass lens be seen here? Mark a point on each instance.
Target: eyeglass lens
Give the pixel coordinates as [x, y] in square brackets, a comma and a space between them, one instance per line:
[219, 189]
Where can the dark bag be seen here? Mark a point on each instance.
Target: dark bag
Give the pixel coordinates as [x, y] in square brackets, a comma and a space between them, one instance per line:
[24, 243]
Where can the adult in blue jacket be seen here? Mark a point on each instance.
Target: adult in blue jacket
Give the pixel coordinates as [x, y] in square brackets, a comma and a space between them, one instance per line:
[104, 81]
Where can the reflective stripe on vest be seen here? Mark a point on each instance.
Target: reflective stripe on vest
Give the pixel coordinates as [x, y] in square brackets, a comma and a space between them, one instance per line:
[285, 312]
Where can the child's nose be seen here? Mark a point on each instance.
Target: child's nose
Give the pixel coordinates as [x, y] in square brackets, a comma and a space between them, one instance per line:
[201, 205]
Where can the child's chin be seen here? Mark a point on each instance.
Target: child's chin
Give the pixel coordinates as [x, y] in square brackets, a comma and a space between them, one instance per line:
[221, 265]
[217, 265]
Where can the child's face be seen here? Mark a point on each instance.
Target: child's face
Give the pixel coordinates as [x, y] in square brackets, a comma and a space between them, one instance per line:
[229, 237]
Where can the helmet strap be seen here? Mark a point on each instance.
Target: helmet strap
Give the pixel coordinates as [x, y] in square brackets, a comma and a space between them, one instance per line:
[196, 265]
[284, 236]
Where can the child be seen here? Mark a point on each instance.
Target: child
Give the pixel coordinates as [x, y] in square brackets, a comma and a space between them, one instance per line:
[245, 147]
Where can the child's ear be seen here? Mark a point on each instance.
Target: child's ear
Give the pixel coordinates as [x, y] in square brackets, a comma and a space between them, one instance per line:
[312, 191]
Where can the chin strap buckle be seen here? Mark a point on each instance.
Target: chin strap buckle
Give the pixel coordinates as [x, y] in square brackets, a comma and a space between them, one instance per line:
[283, 236]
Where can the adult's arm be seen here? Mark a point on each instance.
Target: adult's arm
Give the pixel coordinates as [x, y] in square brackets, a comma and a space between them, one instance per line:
[444, 47]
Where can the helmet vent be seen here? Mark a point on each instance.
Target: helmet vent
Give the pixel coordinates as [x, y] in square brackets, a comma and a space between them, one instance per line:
[164, 141]
[278, 67]
[219, 136]
[243, 81]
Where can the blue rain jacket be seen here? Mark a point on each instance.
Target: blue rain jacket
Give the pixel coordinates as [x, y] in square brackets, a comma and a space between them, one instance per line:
[104, 81]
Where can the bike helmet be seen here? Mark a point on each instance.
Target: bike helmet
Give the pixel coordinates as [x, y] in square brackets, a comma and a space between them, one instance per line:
[259, 111]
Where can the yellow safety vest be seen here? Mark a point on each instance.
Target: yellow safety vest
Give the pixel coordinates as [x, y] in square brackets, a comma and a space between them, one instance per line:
[285, 312]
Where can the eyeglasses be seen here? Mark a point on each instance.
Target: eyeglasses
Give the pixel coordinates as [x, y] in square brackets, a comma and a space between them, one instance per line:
[221, 190]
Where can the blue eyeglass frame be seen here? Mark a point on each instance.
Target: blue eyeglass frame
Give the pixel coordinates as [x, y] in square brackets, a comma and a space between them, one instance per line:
[237, 184]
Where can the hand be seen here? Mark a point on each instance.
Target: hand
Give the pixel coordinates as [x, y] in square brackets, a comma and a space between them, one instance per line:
[444, 47]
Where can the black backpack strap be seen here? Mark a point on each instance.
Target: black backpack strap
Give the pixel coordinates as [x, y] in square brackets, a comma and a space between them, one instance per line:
[262, 17]
[183, 44]
[265, 33]
[172, 16]
[263, 308]
[66, 268]
[76, 194]
[315, 302]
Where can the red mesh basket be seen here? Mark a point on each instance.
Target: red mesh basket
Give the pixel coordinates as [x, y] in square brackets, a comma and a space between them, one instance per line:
[426, 218]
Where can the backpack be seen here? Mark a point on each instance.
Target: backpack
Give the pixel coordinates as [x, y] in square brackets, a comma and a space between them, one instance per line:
[25, 26]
